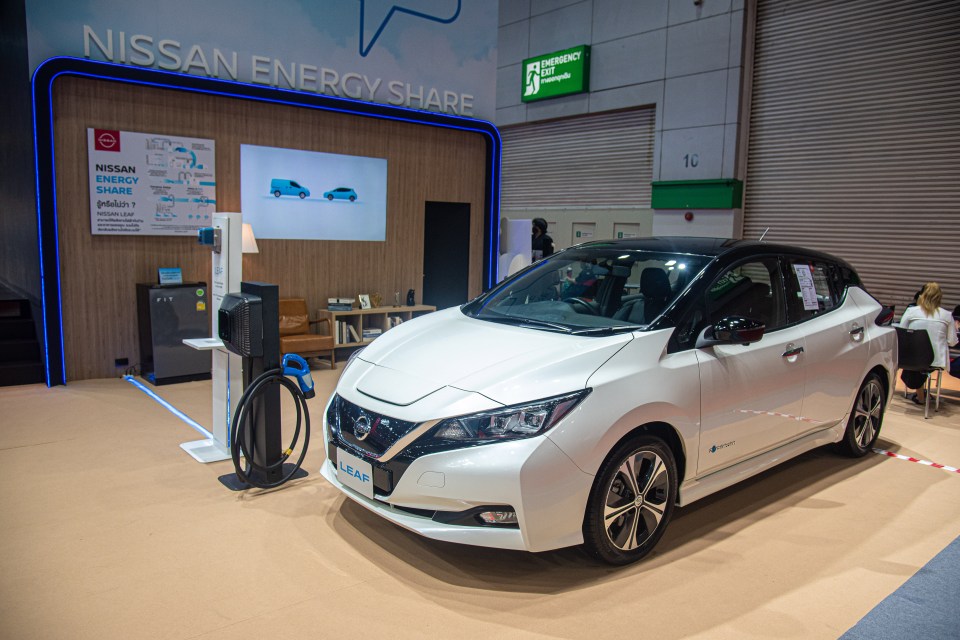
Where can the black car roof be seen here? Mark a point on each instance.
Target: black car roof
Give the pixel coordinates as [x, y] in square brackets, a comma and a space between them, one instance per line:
[711, 247]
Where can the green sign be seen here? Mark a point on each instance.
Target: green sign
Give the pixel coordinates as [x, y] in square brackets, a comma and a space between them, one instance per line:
[697, 194]
[556, 74]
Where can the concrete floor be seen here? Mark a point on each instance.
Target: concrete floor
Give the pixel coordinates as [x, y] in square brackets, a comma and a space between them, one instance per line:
[111, 531]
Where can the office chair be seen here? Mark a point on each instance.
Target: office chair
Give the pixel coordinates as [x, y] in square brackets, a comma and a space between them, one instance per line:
[915, 353]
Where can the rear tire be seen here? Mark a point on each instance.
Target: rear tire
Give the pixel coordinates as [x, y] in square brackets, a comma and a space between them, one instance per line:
[863, 427]
[353, 198]
[631, 501]
[276, 194]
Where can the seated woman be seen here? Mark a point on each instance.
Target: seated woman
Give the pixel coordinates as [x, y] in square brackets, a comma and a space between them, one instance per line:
[928, 309]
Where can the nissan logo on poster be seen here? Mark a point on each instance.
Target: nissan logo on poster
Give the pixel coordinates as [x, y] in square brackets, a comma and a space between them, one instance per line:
[106, 140]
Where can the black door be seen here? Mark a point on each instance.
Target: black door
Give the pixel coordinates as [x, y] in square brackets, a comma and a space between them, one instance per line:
[446, 253]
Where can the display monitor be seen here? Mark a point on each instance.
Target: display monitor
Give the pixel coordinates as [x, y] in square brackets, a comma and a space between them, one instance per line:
[293, 194]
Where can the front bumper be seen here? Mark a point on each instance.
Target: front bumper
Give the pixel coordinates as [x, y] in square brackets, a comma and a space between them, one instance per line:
[533, 476]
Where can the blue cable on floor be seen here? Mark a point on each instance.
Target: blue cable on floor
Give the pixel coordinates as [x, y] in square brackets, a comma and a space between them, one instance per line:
[169, 407]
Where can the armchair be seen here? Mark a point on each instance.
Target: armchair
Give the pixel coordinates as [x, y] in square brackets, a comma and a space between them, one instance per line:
[296, 335]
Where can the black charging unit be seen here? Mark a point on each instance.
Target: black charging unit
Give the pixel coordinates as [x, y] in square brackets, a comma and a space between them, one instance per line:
[249, 325]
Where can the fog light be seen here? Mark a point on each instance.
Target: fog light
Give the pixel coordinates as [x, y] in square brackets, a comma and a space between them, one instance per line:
[499, 517]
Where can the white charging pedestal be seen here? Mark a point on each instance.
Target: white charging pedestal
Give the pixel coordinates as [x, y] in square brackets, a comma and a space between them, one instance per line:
[227, 373]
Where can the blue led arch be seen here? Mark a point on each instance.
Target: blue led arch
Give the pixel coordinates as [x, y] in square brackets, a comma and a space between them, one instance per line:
[43, 140]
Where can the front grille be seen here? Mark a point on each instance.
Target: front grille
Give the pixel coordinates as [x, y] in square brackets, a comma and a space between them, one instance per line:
[366, 432]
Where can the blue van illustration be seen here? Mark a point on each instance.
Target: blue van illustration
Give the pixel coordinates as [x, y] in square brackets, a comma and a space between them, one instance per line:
[280, 187]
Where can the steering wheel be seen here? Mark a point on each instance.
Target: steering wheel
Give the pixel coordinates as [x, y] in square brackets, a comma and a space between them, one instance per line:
[582, 306]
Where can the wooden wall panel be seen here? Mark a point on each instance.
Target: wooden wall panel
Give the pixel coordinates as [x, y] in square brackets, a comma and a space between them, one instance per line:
[99, 273]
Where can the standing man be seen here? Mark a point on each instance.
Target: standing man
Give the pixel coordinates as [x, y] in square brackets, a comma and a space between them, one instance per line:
[542, 244]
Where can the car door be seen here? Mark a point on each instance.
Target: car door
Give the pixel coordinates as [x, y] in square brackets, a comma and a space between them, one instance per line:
[751, 395]
[833, 326]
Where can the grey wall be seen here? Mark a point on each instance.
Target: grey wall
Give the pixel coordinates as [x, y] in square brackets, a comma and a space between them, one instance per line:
[560, 222]
[19, 253]
[685, 57]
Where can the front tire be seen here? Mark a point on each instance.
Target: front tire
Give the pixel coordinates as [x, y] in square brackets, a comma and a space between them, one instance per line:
[863, 427]
[631, 501]
[330, 198]
[302, 195]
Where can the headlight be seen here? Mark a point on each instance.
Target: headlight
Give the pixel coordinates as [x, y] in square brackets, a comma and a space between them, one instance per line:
[353, 356]
[509, 423]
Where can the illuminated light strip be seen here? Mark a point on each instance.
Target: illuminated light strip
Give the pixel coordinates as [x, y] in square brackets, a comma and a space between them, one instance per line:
[935, 465]
[169, 407]
[49, 70]
[779, 415]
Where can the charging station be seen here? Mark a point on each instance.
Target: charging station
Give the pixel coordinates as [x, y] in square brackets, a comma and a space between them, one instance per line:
[249, 326]
[226, 239]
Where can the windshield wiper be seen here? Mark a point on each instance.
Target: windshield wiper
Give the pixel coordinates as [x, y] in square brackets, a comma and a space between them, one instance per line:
[519, 321]
[543, 324]
[614, 329]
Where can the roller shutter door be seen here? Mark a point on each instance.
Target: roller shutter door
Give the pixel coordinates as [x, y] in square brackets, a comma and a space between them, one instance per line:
[855, 138]
[601, 160]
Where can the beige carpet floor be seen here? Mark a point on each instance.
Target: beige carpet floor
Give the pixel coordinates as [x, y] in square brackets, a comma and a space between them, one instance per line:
[109, 530]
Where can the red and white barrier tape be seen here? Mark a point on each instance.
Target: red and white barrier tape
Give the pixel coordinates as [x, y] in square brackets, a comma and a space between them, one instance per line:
[935, 465]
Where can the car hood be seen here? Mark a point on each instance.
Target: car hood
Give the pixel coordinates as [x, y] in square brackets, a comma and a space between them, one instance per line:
[506, 364]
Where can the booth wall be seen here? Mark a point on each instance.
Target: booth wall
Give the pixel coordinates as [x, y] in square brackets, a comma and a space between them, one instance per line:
[99, 273]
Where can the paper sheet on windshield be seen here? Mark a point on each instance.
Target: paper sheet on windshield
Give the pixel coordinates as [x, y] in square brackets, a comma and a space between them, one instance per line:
[807, 288]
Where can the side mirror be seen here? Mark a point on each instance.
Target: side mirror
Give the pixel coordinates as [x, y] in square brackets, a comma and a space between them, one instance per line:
[885, 317]
[731, 330]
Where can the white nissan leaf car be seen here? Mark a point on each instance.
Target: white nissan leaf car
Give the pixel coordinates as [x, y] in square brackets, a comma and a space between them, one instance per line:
[583, 399]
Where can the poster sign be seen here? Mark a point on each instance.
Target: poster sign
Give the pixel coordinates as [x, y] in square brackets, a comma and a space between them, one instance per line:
[149, 184]
[807, 288]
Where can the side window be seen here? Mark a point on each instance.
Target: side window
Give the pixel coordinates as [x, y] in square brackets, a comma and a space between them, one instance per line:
[751, 289]
[813, 288]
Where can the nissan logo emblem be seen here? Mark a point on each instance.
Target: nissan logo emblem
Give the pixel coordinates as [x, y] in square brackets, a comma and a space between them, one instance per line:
[361, 427]
[107, 140]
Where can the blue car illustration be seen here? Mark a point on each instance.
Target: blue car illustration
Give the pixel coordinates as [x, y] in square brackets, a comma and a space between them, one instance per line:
[280, 187]
[341, 193]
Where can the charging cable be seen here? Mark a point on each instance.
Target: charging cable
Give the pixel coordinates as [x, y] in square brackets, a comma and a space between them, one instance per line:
[292, 365]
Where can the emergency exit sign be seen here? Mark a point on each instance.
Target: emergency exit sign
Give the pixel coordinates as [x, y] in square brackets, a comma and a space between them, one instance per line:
[560, 73]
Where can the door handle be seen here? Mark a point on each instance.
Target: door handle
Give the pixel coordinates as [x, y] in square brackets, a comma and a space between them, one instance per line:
[792, 351]
[856, 334]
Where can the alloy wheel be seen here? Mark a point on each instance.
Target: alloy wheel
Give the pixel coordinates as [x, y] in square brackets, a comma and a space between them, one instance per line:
[867, 413]
[636, 500]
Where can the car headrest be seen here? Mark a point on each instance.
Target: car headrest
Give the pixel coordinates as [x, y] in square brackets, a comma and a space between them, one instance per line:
[654, 283]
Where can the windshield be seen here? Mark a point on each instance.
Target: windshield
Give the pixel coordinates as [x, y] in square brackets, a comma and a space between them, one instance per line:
[591, 290]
